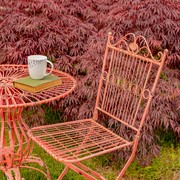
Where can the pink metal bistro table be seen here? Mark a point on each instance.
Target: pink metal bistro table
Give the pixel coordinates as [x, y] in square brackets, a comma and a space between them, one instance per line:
[15, 145]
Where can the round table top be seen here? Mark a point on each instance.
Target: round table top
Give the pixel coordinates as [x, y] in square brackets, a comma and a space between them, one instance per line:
[12, 97]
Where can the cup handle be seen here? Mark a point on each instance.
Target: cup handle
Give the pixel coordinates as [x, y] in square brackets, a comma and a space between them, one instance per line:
[52, 66]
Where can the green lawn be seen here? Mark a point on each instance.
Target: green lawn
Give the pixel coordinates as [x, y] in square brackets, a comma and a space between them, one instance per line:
[166, 166]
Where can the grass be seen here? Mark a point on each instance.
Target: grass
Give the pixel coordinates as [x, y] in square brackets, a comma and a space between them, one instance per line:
[166, 166]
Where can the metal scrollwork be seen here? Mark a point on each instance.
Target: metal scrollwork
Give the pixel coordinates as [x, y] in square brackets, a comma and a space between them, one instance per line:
[135, 89]
[104, 75]
[135, 44]
[125, 85]
[146, 93]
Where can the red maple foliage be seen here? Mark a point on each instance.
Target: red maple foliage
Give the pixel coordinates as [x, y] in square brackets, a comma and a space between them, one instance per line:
[72, 33]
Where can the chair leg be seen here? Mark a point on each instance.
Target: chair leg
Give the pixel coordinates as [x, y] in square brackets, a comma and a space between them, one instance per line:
[129, 161]
[63, 173]
[97, 175]
[84, 171]
[125, 167]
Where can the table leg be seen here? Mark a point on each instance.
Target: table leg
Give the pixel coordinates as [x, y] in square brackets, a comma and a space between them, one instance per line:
[15, 145]
[13, 173]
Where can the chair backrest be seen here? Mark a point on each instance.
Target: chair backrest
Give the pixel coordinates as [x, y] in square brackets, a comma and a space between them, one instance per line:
[129, 77]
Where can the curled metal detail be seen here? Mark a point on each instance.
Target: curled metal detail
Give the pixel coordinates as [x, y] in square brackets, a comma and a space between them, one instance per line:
[138, 45]
[104, 75]
[126, 85]
[146, 93]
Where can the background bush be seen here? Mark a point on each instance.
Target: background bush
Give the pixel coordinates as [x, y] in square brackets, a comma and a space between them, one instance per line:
[72, 33]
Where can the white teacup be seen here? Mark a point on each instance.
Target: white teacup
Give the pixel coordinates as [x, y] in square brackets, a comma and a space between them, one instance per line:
[37, 65]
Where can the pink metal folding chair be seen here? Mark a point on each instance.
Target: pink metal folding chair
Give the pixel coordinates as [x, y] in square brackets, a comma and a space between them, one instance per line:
[128, 80]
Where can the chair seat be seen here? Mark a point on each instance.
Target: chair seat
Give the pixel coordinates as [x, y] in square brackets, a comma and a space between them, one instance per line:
[76, 140]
